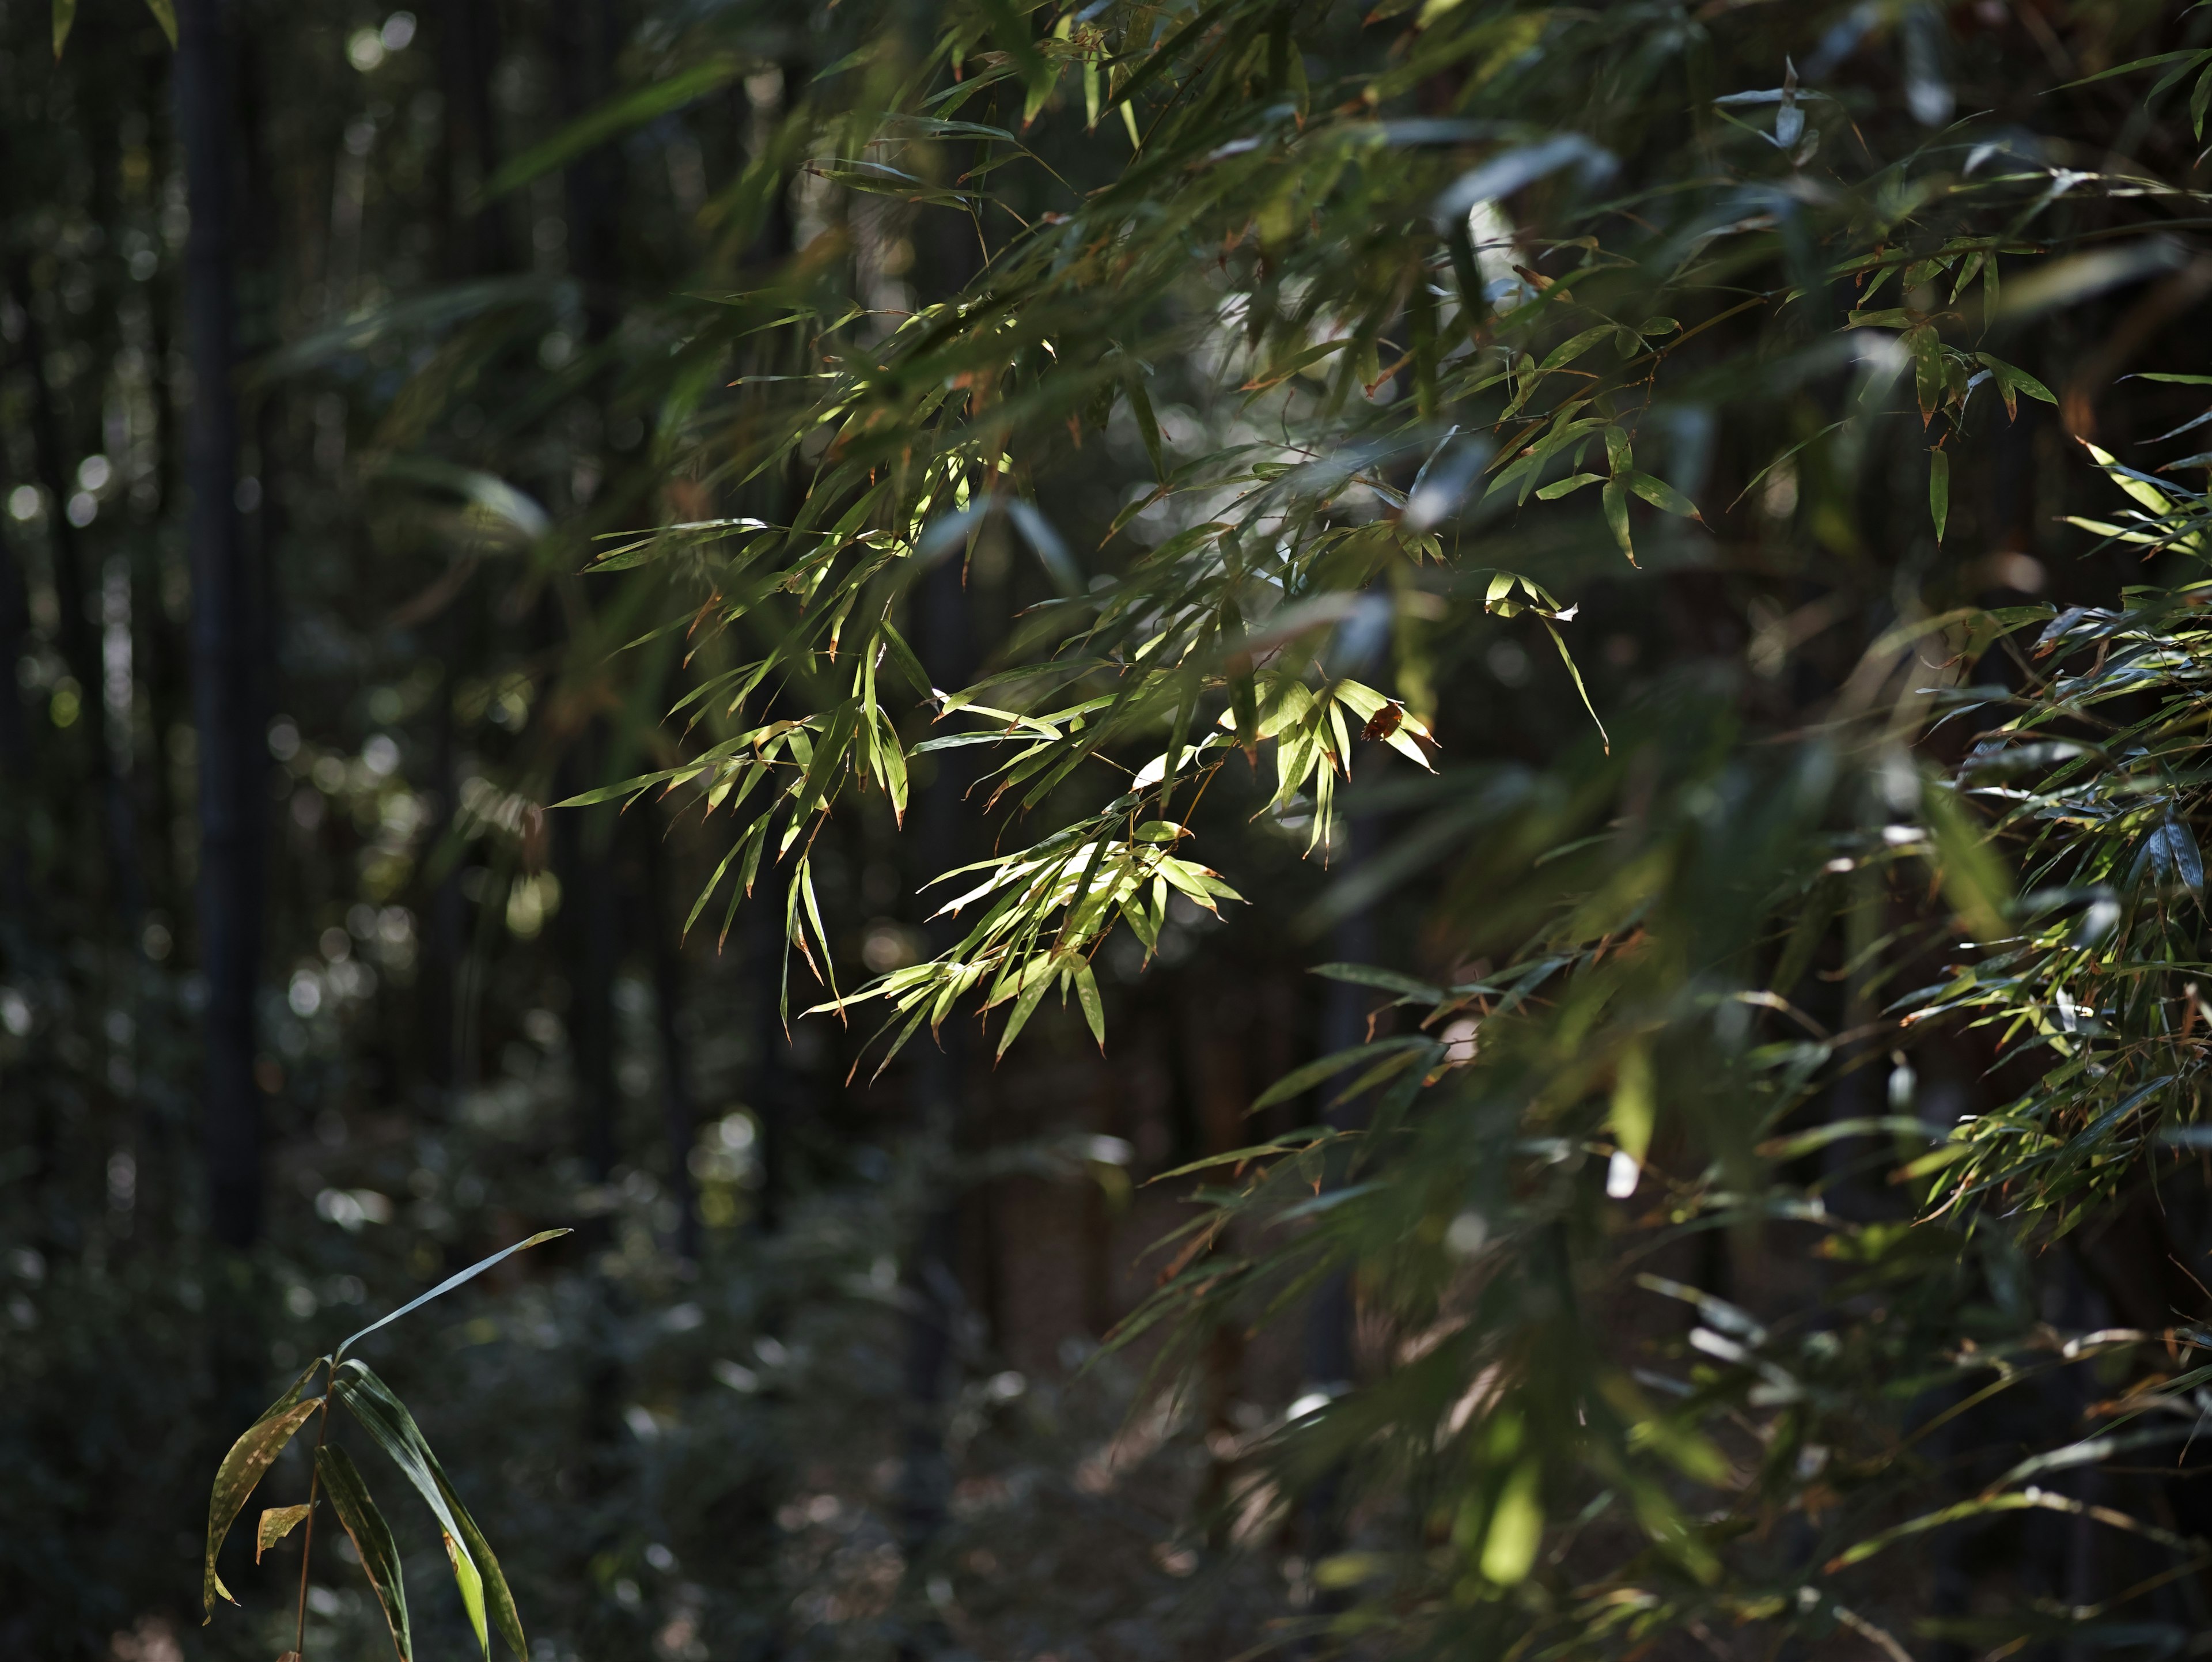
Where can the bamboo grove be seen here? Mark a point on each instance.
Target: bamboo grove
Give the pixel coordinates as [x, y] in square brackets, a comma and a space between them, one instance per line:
[1469, 299]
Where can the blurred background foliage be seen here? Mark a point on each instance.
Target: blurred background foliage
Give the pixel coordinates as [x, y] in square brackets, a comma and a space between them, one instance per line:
[1628, 1259]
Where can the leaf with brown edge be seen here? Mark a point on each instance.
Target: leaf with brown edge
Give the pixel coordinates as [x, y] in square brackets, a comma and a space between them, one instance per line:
[277, 1523]
[371, 1540]
[498, 1600]
[472, 1592]
[241, 1468]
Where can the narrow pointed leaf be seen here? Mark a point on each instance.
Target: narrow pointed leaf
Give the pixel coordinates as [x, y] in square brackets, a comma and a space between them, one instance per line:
[371, 1540]
[473, 1591]
[385, 1418]
[452, 1282]
[241, 1468]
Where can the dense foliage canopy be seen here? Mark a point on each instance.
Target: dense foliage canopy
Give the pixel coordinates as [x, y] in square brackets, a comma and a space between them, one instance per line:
[1654, 546]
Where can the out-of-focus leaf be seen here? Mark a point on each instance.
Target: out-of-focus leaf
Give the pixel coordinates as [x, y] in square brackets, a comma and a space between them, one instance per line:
[1516, 1526]
[1516, 168]
[1974, 877]
[1939, 491]
[1389, 981]
[1301, 1080]
[617, 115]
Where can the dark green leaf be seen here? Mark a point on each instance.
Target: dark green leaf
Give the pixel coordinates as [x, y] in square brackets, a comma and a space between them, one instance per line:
[618, 115]
[371, 1540]
[385, 1418]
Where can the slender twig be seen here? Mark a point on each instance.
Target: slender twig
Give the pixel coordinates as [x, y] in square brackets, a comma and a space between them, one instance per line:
[308, 1541]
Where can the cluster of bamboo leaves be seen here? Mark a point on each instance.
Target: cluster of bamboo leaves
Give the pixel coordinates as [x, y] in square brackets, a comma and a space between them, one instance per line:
[1411, 322]
[351, 1384]
[2093, 773]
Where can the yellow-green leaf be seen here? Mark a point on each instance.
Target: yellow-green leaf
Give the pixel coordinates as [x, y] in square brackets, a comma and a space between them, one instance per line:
[277, 1523]
[1634, 1103]
[473, 1591]
[241, 1468]
[1517, 1526]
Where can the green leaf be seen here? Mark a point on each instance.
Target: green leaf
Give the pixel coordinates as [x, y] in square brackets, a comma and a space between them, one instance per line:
[1615, 495]
[1939, 491]
[1567, 487]
[241, 1468]
[277, 1523]
[165, 13]
[452, 1282]
[1927, 378]
[1663, 496]
[1086, 994]
[385, 1418]
[1389, 981]
[617, 115]
[371, 1540]
[2128, 68]
[1575, 675]
[1301, 1080]
[1148, 424]
[64, 16]
[1025, 1007]
[1973, 876]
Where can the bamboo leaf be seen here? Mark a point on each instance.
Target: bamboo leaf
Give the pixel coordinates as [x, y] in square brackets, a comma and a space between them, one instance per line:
[372, 1541]
[277, 1523]
[241, 1468]
[1615, 495]
[1094, 1008]
[385, 1418]
[452, 1282]
[472, 1590]
[617, 115]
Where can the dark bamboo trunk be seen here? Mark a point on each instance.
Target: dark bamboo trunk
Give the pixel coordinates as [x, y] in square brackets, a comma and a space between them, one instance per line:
[223, 637]
[678, 1117]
